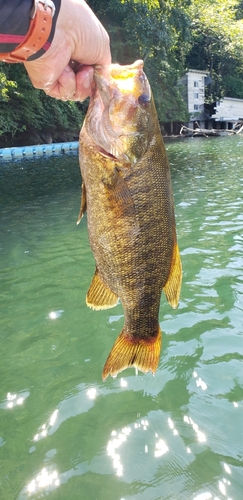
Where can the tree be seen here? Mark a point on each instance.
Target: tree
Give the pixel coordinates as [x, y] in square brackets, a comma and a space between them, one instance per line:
[38, 117]
[156, 31]
[217, 43]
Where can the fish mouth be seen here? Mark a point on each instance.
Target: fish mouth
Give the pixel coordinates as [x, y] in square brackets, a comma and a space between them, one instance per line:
[126, 71]
[119, 71]
[123, 78]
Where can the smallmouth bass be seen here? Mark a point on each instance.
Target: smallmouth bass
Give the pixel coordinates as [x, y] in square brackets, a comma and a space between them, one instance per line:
[128, 196]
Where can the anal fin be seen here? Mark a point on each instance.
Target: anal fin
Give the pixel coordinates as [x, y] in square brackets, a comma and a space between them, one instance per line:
[172, 287]
[127, 351]
[99, 295]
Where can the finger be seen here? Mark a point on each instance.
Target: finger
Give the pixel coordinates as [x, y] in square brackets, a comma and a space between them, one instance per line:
[64, 88]
[67, 83]
[84, 82]
[71, 86]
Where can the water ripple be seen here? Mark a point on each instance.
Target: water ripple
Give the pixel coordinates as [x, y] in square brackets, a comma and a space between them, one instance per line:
[65, 434]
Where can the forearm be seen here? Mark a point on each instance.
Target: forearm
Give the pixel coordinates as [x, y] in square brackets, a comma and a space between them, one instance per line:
[14, 24]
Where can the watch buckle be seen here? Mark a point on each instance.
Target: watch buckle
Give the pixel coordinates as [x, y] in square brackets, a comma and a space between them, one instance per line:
[46, 3]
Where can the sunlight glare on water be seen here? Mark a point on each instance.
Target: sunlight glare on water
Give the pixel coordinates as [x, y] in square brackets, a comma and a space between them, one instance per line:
[64, 434]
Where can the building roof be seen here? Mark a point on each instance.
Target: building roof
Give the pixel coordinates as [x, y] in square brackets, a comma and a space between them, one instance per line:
[231, 99]
[201, 72]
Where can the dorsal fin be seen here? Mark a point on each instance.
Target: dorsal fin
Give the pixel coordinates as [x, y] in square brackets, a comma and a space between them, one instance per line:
[99, 295]
[172, 287]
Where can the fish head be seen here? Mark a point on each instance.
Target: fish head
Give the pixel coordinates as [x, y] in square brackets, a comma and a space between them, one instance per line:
[120, 117]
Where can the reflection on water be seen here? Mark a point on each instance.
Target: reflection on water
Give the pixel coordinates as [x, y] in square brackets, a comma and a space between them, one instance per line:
[14, 399]
[63, 433]
[44, 480]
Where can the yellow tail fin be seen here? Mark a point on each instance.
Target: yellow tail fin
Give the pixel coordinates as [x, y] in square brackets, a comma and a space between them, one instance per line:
[127, 351]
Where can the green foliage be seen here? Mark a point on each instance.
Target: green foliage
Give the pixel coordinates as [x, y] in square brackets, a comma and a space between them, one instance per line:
[156, 31]
[5, 86]
[28, 115]
[217, 42]
[233, 86]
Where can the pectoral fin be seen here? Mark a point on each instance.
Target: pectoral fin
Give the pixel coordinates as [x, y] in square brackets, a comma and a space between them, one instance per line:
[83, 206]
[172, 287]
[100, 296]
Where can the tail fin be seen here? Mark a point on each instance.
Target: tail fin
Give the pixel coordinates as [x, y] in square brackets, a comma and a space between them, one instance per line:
[127, 351]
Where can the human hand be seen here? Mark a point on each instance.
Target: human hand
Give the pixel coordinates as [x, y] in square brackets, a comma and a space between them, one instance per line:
[80, 37]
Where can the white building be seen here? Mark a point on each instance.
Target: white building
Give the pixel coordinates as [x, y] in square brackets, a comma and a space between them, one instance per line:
[229, 110]
[193, 91]
[223, 114]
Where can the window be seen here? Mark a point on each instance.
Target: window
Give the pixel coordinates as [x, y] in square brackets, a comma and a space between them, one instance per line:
[196, 95]
[196, 107]
[196, 84]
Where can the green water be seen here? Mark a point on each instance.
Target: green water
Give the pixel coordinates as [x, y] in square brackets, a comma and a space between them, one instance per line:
[66, 435]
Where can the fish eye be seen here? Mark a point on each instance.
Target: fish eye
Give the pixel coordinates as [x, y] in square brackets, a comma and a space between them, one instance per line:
[144, 100]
